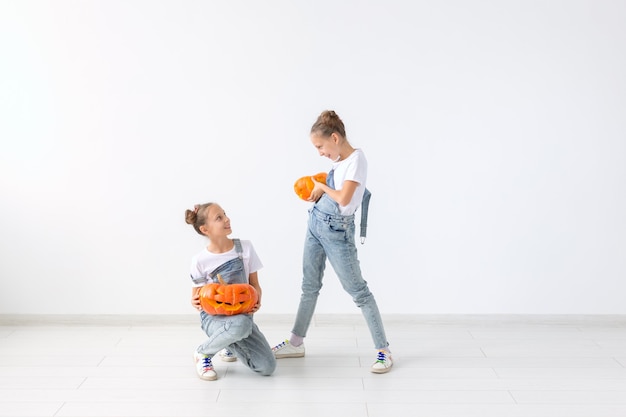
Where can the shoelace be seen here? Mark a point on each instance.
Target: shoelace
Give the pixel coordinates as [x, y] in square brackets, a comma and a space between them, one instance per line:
[206, 364]
[275, 348]
[382, 356]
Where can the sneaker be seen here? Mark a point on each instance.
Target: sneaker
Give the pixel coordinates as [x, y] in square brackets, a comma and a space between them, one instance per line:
[383, 362]
[204, 367]
[227, 356]
[287, 350]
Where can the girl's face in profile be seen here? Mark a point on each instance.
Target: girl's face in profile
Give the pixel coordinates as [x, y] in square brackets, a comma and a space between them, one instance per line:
[327, 146]
[217, 222]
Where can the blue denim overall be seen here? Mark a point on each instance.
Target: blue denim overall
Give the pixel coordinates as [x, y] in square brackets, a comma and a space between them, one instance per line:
[238, 333]
[330, 235]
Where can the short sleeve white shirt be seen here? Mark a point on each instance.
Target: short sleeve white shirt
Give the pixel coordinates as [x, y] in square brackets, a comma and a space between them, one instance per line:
[206, 262]
[353, 168]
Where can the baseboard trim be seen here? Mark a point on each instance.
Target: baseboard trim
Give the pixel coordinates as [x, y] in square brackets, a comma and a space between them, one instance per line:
[319, 319]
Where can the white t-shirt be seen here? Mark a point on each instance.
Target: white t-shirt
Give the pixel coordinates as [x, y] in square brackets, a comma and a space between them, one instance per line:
[205, 262]
[353, 168]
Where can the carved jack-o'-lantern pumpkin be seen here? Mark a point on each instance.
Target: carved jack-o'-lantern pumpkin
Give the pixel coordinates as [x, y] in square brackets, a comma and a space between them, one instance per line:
[304, 185]
[227, 299]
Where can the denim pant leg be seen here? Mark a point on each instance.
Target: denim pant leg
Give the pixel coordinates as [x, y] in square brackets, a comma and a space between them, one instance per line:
[313, 264]
[342, 254]
[240, 334]
[223, 331]
[255, 352]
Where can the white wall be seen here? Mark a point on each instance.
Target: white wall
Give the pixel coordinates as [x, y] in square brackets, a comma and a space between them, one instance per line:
[495, 132]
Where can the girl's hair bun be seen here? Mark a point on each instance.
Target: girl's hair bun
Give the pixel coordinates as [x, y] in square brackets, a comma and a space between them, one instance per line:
[328, 123]
[197, 216]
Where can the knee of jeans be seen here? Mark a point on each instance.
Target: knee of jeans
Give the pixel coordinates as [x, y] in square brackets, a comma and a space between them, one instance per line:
[311, 284]
[240, 325]
[311, 288]
[269, 368]
[363, 298]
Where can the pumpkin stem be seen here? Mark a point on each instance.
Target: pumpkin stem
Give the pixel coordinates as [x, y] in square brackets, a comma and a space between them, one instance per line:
[219, 278]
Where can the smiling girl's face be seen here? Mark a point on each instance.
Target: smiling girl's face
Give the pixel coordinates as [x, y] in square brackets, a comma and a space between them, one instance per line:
[327, 146]
[217, 223]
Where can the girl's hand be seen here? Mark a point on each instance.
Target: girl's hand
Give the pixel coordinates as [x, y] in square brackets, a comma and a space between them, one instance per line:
[256, 308]
[195, 300]
[317, 191]
[253, 279]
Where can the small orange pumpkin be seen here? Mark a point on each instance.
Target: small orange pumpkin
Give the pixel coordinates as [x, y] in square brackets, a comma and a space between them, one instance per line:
[221, 299]
[304, 185]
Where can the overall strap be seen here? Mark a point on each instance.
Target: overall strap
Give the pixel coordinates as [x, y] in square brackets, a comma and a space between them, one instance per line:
[238, 248]
[365, 203]
[330, 181]
[330, 178]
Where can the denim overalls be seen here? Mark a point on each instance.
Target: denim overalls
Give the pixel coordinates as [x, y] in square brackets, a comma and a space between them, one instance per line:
[238, 333]
[330, 235]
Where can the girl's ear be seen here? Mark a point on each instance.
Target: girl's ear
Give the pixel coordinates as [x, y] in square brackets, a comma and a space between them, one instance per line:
[203, 229]
[335, 137]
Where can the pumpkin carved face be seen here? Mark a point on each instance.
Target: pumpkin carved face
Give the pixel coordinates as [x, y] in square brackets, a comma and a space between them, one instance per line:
[223, 299]
[304, 185]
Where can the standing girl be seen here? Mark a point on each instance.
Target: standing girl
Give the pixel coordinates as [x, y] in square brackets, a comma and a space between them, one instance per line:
[236, 262]
[330, 235]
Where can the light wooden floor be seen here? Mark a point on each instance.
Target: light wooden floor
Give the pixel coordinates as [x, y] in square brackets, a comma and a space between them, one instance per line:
[444, 366]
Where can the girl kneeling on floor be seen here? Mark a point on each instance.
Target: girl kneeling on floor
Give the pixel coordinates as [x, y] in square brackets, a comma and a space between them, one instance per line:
[235, 261]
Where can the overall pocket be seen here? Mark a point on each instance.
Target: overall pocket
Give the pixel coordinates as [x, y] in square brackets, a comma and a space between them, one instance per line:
[337, 229]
